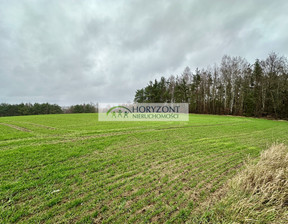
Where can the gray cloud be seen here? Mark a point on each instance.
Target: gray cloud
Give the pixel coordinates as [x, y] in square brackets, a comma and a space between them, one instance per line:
[87, 51]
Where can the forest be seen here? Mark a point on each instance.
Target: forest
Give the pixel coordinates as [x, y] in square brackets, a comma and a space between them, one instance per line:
[43, 108]
[234, 87]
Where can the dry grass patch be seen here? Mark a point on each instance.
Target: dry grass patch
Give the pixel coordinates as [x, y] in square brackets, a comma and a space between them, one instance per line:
[258, 194]
[268, 179]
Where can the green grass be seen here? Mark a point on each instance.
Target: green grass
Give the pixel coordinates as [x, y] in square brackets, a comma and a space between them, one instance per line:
[72, 168]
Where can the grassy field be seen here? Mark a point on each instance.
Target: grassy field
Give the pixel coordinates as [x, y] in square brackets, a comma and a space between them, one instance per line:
[72, 168]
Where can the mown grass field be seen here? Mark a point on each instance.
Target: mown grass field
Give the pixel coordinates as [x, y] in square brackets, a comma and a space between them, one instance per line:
[72, 168]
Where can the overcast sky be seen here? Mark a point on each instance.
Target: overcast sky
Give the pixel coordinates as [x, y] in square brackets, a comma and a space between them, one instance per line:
[70, 52]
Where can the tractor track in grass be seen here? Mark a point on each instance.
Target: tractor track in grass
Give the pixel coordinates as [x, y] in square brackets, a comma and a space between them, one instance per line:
[202, 125]
[16, 127]
[40, 125]
[67, 138]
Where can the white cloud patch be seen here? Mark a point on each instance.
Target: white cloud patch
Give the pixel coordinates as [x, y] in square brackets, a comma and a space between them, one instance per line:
[70, 52]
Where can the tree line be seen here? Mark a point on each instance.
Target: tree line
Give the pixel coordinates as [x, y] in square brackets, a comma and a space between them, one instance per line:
[234, 87]
[43, 108]
[81, 108]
